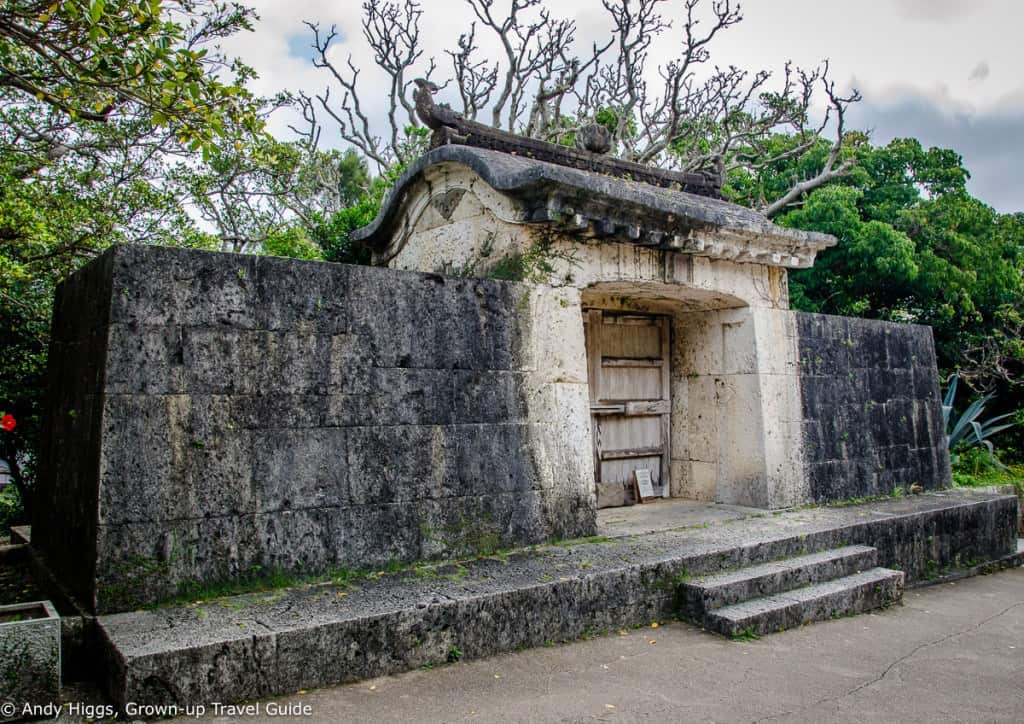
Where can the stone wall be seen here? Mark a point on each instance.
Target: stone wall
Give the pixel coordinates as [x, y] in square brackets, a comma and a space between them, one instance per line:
[215, 417]
[871, 407]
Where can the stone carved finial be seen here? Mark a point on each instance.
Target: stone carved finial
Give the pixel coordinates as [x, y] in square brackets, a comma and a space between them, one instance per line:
[715, 174]
[432, 115]
[593, 153]
[719, 165]
[594, 137]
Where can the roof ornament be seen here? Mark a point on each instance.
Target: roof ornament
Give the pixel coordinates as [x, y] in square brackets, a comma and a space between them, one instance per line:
[592, 152]
[433, 115]
[594, 137]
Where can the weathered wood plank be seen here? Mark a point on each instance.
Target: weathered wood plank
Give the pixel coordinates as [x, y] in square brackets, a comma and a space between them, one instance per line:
[632, 362]
[645, 407]
[644, 452]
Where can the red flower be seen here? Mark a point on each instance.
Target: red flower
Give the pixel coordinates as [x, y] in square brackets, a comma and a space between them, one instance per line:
[8, 422]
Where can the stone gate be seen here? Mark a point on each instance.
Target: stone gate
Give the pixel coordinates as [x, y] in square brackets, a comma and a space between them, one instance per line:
[547, 322]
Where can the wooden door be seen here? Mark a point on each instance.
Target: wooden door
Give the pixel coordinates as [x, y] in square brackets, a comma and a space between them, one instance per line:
[628, 360]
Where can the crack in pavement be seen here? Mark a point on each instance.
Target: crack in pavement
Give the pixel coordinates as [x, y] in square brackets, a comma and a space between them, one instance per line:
[913, 652]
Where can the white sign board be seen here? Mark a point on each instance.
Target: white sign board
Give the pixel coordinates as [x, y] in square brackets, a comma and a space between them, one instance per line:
[644, 486]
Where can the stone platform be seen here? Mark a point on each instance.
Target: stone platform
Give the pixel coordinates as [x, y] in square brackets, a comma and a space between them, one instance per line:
[263, 644]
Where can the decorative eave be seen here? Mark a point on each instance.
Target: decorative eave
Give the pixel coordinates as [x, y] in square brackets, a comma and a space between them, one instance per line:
[592, 205]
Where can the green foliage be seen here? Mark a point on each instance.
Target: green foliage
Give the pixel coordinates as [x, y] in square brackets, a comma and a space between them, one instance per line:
[332, 232]
[976, 469]
[870, 249]
[510, 268]
[968, 430]
[11, 510]
[86, 60]
[330, 181]
[292, 242]
[913, 246]
[607, 117]
[536, 264]
[745, 636]
[254, 189]
[240, 187]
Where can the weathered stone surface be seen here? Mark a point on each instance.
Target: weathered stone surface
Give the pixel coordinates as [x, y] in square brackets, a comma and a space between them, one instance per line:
[872, 415]
[263, 644]
[856, 593]
[216, 416]
[29, 656]
[702, 595]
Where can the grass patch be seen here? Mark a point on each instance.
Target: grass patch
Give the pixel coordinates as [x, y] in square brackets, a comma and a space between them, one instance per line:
[966, 476]
[746, 635]
[898, 492]
[582, 541]
[258, 581]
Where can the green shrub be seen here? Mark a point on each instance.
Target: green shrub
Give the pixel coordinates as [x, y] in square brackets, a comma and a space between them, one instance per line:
[968, 431]
[11, 510]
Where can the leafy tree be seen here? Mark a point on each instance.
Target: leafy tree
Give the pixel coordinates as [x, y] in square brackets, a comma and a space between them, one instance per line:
[293, 242]
[95, 97]
[92, 60]
[239, 188]
[342, 198]
[915, 246]
[251, 190]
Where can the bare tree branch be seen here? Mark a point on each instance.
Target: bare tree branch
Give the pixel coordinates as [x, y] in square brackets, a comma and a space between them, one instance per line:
[685, 114]
[830, 170]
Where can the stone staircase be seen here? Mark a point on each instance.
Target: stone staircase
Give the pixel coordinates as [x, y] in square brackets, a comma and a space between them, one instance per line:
[783, 594]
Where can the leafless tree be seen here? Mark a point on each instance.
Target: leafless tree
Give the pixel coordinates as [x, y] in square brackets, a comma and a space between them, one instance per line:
[685, 113]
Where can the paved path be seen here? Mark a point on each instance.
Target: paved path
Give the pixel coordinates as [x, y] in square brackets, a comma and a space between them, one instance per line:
[952, 652]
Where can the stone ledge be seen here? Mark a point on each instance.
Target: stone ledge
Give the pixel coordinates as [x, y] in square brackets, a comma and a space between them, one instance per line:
[270, 643]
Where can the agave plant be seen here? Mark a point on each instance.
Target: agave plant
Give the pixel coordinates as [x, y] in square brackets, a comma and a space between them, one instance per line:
[967, 431]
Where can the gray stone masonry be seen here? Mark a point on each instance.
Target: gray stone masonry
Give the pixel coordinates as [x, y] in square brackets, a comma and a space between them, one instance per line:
[218, 416]
[872, 414]
[29, 656]
[853, 594]
[262, 644]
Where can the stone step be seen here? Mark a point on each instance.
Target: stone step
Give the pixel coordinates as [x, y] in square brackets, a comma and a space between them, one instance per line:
[706, 593]
[857, 593]
[260, 644]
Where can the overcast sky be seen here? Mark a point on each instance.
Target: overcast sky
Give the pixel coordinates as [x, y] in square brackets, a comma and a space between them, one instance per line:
[947, 72]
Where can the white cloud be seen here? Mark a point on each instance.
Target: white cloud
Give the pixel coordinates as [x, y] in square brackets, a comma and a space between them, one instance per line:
[938, 10]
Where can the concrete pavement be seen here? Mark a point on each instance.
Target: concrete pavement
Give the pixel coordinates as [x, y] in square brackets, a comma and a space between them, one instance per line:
[952, 652]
